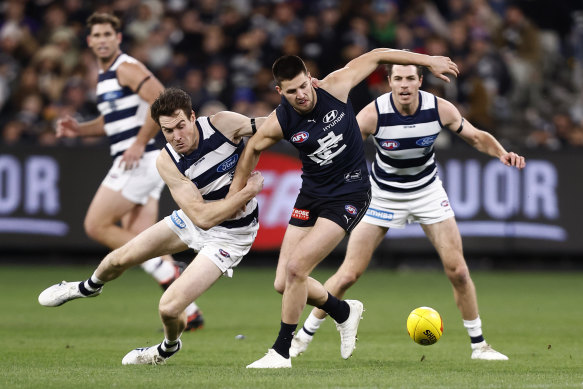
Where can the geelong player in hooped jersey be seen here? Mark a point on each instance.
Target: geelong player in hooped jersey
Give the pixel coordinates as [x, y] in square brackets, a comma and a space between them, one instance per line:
[197, 164]
[406, 188]
[335, 190]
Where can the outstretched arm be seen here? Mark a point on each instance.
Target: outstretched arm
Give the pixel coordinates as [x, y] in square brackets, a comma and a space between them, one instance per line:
[234, 125]
[267, 135]
[204, 214]
[340, 82]
[69, 127]
[480, 140]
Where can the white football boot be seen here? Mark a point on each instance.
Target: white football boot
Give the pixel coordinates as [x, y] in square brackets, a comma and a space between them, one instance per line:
[485, 352]
[59, 294]
[300, 343]
[271, 360]
[349, 328]
[147, 356]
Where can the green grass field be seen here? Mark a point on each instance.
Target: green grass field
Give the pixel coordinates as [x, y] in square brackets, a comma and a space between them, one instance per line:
[534, 318]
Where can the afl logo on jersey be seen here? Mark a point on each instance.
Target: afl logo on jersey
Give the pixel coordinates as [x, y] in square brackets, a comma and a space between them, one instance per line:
[390, 144]
[351, 209]
[330, 116]
[300, 137]
[427, 141]
[228, 164]
[224, 253]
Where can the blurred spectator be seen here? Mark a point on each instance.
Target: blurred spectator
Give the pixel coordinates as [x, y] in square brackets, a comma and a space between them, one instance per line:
[516, 72]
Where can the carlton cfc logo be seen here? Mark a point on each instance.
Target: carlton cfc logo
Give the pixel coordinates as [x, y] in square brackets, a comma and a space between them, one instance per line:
[351, 209]
[390, 144]
[300, 137]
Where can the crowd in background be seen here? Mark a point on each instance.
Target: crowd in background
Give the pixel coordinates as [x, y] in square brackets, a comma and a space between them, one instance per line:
[521, 70]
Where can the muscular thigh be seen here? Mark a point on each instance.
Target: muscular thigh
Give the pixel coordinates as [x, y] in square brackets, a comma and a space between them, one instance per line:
[108, 207]
[446, 239]
[155, 241]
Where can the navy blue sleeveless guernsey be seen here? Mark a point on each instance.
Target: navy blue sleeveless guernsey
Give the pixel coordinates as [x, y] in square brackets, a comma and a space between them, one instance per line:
[330, 145]
[211, 168]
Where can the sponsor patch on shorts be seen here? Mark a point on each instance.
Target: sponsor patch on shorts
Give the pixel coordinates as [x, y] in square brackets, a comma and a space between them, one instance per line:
[301, 214]
[177, 220]
[351, 209]
[445, 203]
[224, 253]
[378, 214]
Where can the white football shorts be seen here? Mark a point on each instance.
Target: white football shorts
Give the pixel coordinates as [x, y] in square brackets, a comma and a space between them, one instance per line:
[428, 205]
[225, 247]
[138, 184]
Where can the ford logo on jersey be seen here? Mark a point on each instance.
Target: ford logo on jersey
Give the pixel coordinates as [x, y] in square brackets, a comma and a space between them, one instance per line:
[390, 144]
[228, 164]
[300, 137]
[116, 94]
[427, 141]
[351, 209]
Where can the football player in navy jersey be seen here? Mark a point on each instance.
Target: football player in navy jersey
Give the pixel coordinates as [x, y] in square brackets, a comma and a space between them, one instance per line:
[197, 164]
[126, 202]
[335, 190]
[405, 187]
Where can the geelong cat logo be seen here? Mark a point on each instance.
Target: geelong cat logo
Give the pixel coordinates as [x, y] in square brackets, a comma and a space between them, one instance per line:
[228, 164]
[300, 137]
[427, 141]
[390, 144]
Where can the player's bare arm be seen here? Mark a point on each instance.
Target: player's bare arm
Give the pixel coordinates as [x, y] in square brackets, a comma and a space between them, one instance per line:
[480, 140]
[139, 79]
[69, 127]
[267, 135]
[204, 214]
[367, 120]
[235, 126]
[340, 82]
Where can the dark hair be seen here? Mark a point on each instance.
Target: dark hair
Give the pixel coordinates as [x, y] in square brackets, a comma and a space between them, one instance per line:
[287, 68]
[103, 18]
[168, 102]
[419, 69]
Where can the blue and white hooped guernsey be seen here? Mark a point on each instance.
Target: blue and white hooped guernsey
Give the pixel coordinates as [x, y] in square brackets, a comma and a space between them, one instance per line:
[123, 111]
[211, 168]
[405, 159]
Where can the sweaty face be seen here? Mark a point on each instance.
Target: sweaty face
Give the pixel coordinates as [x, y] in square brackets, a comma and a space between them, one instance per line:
[299, 93]
[104, 41]
[180, 131]
[405, 84]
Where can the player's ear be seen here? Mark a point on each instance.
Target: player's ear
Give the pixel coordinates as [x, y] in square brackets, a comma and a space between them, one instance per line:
[278, 89]
[192, 116]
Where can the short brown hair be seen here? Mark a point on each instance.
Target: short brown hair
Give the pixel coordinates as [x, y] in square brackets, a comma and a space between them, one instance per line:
[103, 18]
[287, 68]
[168, 102]
[419, 69]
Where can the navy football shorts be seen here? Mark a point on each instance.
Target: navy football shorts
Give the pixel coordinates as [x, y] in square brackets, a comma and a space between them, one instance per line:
[346, 210]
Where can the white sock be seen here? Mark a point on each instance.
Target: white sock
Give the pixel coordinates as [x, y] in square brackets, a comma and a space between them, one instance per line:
[474, 328]
[192, 307]
[93, 284]
[312, 324]
[162, 271]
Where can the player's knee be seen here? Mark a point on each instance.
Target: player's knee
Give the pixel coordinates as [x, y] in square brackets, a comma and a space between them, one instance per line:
[459, 276]
[295, 271]
[279, 285]
[347, 279]
[168, 309]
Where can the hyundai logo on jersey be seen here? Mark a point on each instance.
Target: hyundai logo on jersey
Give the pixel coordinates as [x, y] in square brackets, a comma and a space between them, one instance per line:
[390, 144]
[228, 164]
[427, 141]
[330, 116]
[177, 220]
[351, 209]
[300, 137]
